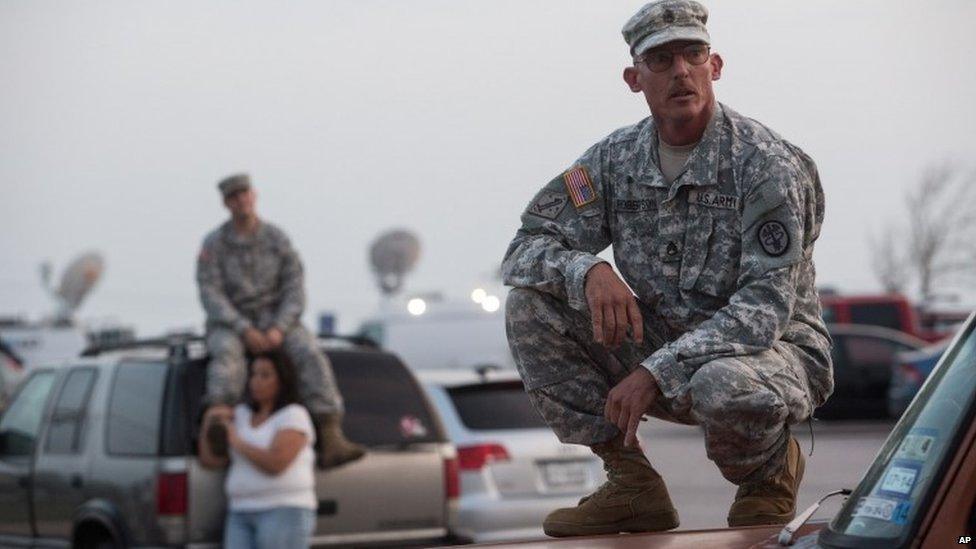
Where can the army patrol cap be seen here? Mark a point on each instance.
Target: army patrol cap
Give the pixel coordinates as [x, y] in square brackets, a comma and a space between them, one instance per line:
[234, 183]
[665, 21]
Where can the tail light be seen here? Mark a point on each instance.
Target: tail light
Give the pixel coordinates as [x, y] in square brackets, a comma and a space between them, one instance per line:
[911, 375]
[171, 494]
[452, 481]
[473, 458]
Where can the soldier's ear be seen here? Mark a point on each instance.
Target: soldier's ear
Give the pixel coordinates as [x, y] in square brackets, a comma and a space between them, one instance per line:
[717, 63]
[630, 77]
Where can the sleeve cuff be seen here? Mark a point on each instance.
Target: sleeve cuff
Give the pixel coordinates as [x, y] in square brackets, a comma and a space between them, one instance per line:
[667, 372]
[576, 280]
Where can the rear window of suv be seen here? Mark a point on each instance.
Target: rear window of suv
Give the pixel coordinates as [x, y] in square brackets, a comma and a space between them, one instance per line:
[495, 405]
[384, 404]
[135, 407]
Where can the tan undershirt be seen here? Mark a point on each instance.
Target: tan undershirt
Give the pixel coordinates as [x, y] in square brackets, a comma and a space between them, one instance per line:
[673, 158]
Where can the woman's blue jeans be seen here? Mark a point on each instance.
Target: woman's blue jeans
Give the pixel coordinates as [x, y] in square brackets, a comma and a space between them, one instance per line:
[277, 528]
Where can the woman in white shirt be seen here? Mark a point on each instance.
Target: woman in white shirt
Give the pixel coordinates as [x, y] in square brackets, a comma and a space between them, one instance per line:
[271, 483]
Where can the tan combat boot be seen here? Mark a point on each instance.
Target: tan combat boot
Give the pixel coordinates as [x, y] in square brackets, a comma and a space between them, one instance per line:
[771, 501]
[333, 447]
[634, 498]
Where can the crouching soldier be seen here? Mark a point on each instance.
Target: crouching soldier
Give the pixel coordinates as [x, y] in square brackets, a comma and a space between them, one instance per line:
[712, 218]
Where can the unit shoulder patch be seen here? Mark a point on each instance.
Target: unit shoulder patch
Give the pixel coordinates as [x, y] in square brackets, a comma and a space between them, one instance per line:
[773, 238]
[579, 186]
[548, 205]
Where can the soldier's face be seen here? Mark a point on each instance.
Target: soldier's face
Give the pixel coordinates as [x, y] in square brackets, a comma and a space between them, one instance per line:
[241, 203]
[680, 93]
[263, 382]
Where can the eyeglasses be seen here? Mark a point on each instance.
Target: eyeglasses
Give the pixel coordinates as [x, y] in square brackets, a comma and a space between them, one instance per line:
[662, 59]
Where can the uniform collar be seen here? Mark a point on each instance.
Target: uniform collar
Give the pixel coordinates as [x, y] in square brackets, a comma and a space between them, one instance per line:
[231, 236]
[702, 166]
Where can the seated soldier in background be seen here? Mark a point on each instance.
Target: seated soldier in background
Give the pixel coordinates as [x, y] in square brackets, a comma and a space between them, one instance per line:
[252, 289]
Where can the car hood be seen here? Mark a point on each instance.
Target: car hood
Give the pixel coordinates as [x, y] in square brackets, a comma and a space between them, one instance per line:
[752, 537]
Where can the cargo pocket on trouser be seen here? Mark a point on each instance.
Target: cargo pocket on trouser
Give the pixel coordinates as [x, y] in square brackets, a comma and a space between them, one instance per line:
[783, 372]
[573, 408]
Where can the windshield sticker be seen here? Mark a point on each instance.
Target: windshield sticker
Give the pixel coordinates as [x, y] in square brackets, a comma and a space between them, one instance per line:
[411, 427]
[900, 478]
[917, 444]
[876, 508]
[900, 516]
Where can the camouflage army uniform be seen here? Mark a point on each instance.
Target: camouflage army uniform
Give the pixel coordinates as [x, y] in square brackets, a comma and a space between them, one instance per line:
[257, 281]
[721, 264]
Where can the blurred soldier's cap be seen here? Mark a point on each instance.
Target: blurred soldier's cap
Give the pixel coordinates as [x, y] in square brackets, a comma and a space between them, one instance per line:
[665, 21]
[234, 183]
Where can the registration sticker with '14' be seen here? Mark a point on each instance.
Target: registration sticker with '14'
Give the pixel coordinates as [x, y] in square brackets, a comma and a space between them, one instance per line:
[900, 478]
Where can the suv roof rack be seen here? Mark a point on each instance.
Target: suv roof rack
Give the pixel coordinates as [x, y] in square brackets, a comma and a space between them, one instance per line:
[177, 343]
[360, 340]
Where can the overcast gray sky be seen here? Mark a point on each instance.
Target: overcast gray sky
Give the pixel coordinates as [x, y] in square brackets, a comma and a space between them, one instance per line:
[444, 117]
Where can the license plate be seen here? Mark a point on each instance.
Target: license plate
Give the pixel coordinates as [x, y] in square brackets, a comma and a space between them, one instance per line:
[564, 474]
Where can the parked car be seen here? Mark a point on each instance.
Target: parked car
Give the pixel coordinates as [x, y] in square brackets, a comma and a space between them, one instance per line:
[863, 356]
[919, 492]
[909, 372]
[514, 470]
[100, 452]
[11, 372]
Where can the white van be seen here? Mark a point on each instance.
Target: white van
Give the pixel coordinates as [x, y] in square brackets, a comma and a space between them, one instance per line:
[436, 333]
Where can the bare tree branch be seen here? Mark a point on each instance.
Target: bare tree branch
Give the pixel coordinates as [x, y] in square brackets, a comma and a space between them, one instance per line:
[887, 260]
[942, 226]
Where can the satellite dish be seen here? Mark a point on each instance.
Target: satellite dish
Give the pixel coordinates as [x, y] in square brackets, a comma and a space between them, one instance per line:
[392, 255]
[78, 279]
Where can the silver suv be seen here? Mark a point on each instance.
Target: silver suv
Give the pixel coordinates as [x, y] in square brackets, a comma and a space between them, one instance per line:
[100, 452]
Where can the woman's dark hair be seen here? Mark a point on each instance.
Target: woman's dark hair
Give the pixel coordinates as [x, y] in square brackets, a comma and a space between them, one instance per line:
[287, 382]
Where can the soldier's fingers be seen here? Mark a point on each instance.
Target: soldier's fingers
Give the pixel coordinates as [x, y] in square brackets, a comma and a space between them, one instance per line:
[612, 408]
[636, 320]
[609, 324]
[596, 314]
[623, 420]
[630, 440]
[620, 313]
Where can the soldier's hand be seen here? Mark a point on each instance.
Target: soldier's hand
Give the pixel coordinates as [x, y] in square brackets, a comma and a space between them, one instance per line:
[629, 401]
[274, 338]
[612, 307]
[255, 341]
[218, 412]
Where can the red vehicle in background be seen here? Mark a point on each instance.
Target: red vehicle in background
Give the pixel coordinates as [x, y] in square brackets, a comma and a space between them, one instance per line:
[890, 311]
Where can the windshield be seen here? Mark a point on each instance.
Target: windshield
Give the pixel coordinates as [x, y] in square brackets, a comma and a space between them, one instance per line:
[892, 497]
[490, 406]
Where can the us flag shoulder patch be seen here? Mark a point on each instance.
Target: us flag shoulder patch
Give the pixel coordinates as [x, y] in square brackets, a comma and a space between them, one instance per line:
[579, 186]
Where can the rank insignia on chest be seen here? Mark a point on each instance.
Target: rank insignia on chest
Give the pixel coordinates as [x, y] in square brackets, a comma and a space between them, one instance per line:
[671, 252]
[579, 186]
[713, 200]
[548, 205]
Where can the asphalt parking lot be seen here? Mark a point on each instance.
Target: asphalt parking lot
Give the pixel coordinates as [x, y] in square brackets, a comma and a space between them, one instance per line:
[842, 454]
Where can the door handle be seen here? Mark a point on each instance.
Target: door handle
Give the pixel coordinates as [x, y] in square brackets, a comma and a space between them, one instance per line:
[327, 507]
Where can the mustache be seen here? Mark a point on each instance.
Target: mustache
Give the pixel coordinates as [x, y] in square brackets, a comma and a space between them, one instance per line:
[679, 90]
